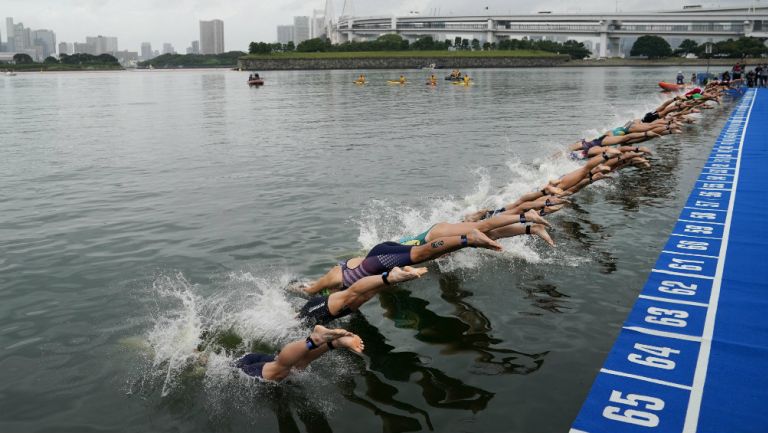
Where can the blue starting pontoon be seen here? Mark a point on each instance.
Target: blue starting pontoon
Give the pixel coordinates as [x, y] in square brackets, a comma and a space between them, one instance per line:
[693, 354]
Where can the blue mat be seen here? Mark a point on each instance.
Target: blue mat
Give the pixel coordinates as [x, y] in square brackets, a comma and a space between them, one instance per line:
[693, 354]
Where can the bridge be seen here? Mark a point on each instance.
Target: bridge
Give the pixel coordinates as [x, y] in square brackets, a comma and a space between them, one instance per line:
[709, 24]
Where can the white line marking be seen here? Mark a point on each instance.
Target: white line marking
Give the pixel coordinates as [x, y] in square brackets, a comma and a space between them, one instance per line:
[689, 254]
[700, 222]
[674, 301]
[645, 379]
[663, 333]
[700, 376]
[680, 274]
[704, 208]
[573, 430]
[697, 237]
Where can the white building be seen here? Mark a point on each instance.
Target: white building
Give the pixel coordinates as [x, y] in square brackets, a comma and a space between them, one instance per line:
[301, 30]
[146, 51]
[101, 44]
[284, 34]
[168, 48]
[212, 37]
[318, 23]
[46, 41]
[65, 48]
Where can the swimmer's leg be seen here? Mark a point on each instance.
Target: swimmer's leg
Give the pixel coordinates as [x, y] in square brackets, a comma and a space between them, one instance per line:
[519, 229]
[445, 245]
[350, 342]
[331, 280]
[297, 352]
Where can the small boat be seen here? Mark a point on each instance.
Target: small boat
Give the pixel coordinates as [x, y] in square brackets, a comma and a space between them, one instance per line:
[670, 86]
[429, 66]
[449, 78]
[360, 83]
[10, 74]
[396, 82]
[256, 82]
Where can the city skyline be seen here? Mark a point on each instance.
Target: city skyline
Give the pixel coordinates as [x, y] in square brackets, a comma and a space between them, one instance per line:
[145, 21]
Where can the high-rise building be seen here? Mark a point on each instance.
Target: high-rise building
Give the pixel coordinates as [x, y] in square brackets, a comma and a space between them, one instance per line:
[10, 45]
[146, 51]
[318, 23]
[168, 48]
[65, 48]
[81, 48]
[284, 34]
[212, 37]
[102, 44]
[300, 29]
[46, 40]
[193, 48]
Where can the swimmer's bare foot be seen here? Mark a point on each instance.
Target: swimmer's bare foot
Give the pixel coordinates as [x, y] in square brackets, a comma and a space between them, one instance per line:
[478, 239]
[320, 334]
[553, 190]
[640, 162]
[476, 216]
[541, 231]
[602, 168]
[644, 150]
[652, 134]
[601, 176]
[611, 152]
[350, 342]
[534, 217]
[549, 210]
[407, 273]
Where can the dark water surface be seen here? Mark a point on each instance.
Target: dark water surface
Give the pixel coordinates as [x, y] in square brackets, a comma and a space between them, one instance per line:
[139, 208]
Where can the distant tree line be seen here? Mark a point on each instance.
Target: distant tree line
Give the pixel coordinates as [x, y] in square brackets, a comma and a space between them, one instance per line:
[228, 59]
[66, 59]
[655, 47]
[394, 42]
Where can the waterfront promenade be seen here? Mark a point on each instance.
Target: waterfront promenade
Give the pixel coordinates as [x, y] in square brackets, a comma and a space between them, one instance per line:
[691, 356]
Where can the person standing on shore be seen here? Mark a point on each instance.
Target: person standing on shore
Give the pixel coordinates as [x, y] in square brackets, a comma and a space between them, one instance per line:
[680, 78]
[736, 71]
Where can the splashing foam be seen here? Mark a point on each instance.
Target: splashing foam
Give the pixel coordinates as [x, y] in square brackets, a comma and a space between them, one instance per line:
[255, 308]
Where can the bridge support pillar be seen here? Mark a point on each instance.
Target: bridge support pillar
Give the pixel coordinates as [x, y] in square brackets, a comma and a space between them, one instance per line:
[603, 45]
[490, 36]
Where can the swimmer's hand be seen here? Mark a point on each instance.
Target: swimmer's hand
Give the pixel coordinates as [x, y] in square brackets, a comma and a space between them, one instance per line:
[407, 273]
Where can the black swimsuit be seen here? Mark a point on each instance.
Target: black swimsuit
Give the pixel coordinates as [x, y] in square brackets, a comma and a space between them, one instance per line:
[316, 312]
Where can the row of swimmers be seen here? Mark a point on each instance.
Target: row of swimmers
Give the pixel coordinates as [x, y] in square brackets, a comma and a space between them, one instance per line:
[353, 282]
[431, 80]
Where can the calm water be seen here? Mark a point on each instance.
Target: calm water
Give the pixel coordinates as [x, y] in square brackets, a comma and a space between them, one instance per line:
[139, 208]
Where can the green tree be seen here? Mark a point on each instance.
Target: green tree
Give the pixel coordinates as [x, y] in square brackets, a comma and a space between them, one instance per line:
[457, 42]
[50, 60]
[486, 46]
[475, 45]
[576, 50]
[686, 47]
[448, 43]
[390, 42]
[653, 47]
[259, 48]
[424, 44]
[314, 45]
[465, 44]
[290, 46]
[22, 59]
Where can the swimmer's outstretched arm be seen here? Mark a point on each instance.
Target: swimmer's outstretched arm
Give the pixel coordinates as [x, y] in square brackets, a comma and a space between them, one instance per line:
[299, 354]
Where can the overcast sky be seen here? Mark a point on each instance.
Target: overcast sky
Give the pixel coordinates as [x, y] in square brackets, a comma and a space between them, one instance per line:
[176, 21]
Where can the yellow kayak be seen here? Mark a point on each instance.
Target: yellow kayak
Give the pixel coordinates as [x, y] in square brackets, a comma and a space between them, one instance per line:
[360, 82]
[396, 82]
[461, 83]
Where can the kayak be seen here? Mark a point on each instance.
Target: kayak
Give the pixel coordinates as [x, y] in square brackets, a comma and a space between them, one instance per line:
[670, 86]
[461, 83]
[258, 82]
[449, 78]
[359, 83]
[396, 82]
[430, 83]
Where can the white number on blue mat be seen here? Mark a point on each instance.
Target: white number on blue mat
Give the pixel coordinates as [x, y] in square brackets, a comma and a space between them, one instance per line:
[703, 215]
[705, 230]
[686, 265]
[678, 288]
[693, 245]
[659, 361]
[666, 317]
[632, 416]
